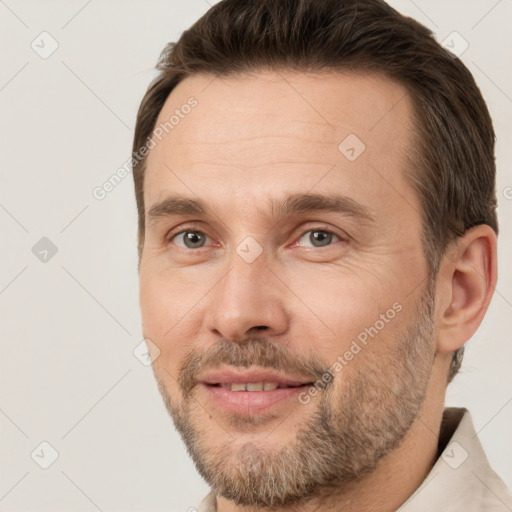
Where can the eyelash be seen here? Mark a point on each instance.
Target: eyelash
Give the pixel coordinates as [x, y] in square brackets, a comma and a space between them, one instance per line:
[324, 228]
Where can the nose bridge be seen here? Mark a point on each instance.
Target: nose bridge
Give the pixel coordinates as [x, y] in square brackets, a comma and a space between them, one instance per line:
[245, 298]
[245, 282]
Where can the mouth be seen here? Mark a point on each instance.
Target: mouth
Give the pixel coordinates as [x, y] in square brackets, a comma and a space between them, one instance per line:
[252, 392]
[256, 386]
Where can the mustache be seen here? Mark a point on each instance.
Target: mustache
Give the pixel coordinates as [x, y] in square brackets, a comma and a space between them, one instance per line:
[256, 351]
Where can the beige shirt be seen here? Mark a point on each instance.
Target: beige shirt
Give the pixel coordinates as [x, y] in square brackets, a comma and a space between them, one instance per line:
[461, 479]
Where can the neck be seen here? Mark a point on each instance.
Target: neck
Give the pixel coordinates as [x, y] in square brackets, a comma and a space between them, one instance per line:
[395, 479]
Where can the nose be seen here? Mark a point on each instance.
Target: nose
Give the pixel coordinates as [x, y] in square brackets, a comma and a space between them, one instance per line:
[248, 301]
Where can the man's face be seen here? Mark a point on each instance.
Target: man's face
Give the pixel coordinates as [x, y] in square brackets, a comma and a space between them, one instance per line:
[250, 292]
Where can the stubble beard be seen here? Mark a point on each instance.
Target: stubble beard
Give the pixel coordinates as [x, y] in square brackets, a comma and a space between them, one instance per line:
[346, 436]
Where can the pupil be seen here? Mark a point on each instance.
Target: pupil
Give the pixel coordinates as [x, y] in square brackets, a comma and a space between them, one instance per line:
[322, 237]
[193, 238]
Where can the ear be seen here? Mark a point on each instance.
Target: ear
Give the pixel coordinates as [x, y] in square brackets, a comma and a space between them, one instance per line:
[466, 282]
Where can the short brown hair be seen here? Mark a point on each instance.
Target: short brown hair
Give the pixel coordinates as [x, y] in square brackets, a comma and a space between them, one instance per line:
[453, 167]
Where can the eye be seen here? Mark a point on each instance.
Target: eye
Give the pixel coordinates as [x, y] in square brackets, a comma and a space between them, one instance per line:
[189, 239]
[318, 237]
[194, 239]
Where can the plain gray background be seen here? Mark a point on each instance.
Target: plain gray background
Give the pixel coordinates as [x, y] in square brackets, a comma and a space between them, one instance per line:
[69, 324]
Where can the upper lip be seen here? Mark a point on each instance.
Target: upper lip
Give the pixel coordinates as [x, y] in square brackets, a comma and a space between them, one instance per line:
[248, 376]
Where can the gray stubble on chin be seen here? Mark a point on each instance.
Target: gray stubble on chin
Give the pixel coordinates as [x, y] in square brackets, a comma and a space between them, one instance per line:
[379, 401]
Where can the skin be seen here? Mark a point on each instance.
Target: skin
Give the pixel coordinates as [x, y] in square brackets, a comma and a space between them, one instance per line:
[265, 135]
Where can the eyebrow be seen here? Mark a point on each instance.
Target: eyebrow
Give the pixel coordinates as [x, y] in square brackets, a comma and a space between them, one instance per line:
[290, 205]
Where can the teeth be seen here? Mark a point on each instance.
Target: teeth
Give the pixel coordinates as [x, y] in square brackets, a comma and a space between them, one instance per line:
[252, 386]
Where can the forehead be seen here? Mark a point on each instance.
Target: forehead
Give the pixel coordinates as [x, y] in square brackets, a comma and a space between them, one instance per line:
[253, 135]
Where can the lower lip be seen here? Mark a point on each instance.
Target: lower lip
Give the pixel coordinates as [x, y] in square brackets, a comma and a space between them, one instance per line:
[251, 402]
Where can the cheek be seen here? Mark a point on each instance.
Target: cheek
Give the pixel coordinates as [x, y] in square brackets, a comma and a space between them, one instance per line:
[166, 319]
[361, 320]
[167, 297]
[336, 305]
[155, 305]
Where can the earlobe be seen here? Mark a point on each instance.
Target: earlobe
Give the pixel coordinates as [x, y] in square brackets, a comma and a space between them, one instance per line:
[469, 274]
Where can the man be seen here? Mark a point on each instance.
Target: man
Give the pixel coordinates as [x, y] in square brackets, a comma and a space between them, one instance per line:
[317, 241]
